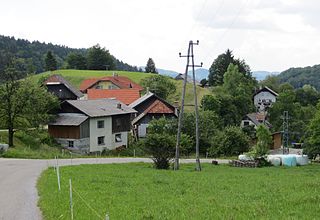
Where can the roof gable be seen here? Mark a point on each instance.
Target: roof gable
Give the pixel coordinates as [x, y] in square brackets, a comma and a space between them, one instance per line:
[266, 89]
[120, 81]
[58, 79]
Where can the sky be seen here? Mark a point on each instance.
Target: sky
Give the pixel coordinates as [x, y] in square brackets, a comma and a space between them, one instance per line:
[270, 35]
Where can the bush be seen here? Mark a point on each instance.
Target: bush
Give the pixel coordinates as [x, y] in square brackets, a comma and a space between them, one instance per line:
[162, 149]
[231, 141]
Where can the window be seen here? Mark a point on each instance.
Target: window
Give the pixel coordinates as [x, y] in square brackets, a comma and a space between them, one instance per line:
[246, 123]
[101, 140]
[98, 87]
[70, 144]
[100, 124]
[118, 138]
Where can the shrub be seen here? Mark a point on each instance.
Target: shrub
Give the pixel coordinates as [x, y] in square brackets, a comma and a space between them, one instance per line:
[162, 149]
[231, 141]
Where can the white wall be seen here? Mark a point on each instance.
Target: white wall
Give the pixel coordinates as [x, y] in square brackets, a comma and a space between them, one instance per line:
[109, 140]
[96, 132]
[267, 96]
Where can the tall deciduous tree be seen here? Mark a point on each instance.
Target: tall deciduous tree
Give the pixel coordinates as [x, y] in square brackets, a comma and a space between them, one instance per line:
[51, 62]
[23, 103]
[99, 58]
[151, 66]
[160, 85]
[313, 137]
[220, 66]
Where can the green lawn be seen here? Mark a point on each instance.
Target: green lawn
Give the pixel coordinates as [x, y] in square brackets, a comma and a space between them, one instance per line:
[75, 77]
[137, 191]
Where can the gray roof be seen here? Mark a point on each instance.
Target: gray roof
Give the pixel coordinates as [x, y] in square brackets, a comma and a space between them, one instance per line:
[69, 119]
[66, 83]
[141, 99]
[101, 107]
[253, 118]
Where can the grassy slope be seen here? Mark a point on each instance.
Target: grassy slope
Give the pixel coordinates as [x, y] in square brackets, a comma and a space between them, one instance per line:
[137, 191]
[29, 146]
[75, 77]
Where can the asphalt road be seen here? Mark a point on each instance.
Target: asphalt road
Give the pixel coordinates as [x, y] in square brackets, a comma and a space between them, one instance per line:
[18, 178]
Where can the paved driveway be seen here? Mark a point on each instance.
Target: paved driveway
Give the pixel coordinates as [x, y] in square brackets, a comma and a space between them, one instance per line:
[18, 178]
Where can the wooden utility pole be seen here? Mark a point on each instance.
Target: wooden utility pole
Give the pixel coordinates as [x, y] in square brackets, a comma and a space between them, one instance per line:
[190, 55]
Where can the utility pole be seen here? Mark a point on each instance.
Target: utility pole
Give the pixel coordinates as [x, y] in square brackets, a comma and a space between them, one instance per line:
[285, 132]
[190, 55]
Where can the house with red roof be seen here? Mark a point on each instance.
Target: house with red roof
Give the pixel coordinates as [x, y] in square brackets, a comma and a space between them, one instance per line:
[109, 82]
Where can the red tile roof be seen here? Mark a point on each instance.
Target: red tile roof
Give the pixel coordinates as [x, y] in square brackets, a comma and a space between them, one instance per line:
[121, 81]
[126, 96]
[159, 107]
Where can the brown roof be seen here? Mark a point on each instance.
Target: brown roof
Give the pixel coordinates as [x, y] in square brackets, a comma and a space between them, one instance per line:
[120, 81]
[126, 96]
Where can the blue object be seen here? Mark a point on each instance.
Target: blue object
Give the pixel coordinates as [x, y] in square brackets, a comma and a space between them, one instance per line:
[288, 160]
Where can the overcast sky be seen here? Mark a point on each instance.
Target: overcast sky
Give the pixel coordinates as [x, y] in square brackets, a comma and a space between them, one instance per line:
[271, 35]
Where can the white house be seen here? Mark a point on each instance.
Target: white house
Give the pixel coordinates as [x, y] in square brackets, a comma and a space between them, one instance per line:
[92, 125]
[264, 98]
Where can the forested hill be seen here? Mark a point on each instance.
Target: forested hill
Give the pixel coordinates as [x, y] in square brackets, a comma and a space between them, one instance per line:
[32, 54]
[298, 77]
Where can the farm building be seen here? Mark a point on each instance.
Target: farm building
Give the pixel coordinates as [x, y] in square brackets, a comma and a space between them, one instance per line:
[92, 125]
[255, 119]
[61, 88]
[264, 98]
[149, 107]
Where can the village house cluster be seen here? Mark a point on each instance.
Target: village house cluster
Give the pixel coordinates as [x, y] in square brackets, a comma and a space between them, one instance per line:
[102, 114]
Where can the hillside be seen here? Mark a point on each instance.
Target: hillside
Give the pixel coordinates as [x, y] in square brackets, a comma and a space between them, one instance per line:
[75, 77]
[298, 77]
[31, 54]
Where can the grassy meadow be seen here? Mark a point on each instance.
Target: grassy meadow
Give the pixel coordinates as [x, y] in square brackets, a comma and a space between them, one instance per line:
[137, 191]
[75, 77]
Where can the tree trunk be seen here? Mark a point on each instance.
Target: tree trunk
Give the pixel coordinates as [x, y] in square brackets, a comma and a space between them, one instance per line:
[10, 136]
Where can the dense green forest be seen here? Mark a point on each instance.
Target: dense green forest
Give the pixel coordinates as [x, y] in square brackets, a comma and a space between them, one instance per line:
[31, 55]
[298, 77]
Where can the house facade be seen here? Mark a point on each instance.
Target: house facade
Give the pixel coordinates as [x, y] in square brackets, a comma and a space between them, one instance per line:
[264, 98]
[150, 107]
[92, 125]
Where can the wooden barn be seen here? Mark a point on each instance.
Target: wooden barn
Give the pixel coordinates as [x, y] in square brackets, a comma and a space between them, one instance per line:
[149, 107]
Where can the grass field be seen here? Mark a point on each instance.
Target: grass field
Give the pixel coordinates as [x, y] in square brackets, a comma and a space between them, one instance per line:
[75, 77]
[137, 191]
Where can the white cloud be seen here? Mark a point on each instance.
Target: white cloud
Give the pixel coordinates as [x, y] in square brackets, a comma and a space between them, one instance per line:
[269, 35]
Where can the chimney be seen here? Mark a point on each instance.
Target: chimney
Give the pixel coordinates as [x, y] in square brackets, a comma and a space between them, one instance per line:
[119, 105]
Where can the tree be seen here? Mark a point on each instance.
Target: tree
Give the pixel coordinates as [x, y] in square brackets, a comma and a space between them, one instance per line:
[76, 61]
[160, 85]
[264, 141]
[151, 66]
[231, 141]
[23, 103]
[307, 95]
[203, 82]
[271, 81]
[51, 62]
[162, 149]
[220, 66]
[99, 58]
[209, 124]
[313, 138]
